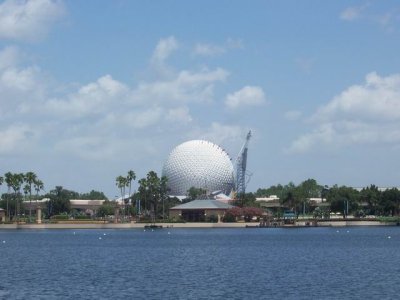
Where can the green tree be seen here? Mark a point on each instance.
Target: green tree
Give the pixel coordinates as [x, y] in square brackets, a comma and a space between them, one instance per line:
[390, 202]
[194, 193]
[371, 196]
[343, 199]
[154, 192]
[59, 202]
[106, 209]
[306, 190]
[93, 195]
[129, 178]
[17, 180]
[122, 183]
[30, 178]
[8, 179]
[38, 186]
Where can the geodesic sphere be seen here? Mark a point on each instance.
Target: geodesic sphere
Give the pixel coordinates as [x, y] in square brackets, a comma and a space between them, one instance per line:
[199, 164]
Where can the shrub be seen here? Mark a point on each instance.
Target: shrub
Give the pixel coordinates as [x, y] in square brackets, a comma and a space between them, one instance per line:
[60, 217]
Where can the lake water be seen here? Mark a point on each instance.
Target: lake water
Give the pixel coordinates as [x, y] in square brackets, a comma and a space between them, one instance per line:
[273, 263]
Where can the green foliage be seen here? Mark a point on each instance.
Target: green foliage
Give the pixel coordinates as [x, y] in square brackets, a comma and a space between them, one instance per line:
[60, 217]
[229, 217]
[194, 193]
[107, 209]
[93, 195]
[343, 198]
[82, 217]
[60, 201]
[153, 195]
[212, 219]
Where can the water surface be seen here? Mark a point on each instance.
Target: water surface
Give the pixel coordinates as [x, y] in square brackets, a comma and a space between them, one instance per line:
[273, 263]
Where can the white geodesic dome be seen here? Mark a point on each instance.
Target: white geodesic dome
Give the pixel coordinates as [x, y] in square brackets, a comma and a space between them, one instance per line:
[199, 164]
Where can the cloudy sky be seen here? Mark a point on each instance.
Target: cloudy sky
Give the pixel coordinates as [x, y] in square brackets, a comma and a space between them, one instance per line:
[92, 89]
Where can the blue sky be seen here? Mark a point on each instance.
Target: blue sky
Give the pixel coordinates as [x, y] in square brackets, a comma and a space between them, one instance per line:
[92, 89]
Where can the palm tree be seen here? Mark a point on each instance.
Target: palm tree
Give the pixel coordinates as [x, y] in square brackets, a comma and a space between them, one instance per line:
[121, 183]
[30, 179]
[26, 192]
[38, 185]
[131, 176]
[16, 182]
[8, 179]
[1, 180]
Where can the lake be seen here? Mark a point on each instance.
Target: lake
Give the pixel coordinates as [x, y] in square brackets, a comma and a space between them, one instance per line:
[172, 263]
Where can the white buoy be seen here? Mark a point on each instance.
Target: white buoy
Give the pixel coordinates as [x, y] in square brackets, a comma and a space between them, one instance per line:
[169, 232]
[348, 231]
[389, 237]
[104, 234]
[74, 232]
[99, 238]
[4, 242]
[337, 230]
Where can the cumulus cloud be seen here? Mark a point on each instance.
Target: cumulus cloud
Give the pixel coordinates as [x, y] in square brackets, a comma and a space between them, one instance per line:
[164, 49]
[385, 19]
[9, 57]
[102, 118]
[207, 49]
[364, 113]
[179, 114]
[186, 86]
[377, 99]
[14, 138]
[28, 20]
[222, 133]
[20, 86]
[90, 99]
[247, 96]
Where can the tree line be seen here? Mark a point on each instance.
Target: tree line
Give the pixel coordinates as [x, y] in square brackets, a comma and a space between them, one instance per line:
[150, 201]
[339, 199]
[11, 201]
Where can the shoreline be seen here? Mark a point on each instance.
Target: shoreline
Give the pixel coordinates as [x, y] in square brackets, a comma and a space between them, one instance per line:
[134, 225]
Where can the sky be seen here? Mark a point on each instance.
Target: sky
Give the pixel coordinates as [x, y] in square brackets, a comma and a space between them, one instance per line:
[92, 89]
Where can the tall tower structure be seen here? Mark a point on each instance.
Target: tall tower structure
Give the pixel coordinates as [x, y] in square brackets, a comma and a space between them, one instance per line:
[241, 163]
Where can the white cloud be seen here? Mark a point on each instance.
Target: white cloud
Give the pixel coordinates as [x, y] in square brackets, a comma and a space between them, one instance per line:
[28, 20]
[20, 87]
[222, 133]
[352, 13]
[144, 118]
[247, 96]
[208, 50]
[362, 114]
[179, 114]
[9, 57]
[386, 19]
[93, 98]
[15, 138]
[377, 99]
[186, 86]
[164, 49]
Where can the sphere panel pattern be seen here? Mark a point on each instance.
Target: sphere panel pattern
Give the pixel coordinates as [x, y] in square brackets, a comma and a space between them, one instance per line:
[199, 164]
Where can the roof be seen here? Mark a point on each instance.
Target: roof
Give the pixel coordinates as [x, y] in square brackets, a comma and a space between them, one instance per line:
[203, 204]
